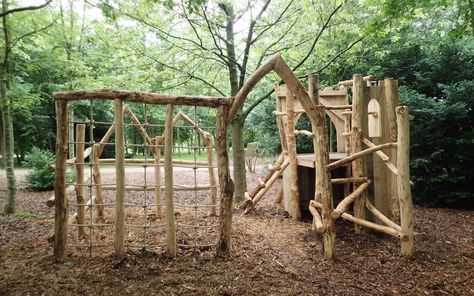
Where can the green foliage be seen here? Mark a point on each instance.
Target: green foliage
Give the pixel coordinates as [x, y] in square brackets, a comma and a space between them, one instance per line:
[39, 178]
[442, 141]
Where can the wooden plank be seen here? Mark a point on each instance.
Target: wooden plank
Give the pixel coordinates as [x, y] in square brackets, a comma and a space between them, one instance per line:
[61, 212]
[142, 97]
[119, 243]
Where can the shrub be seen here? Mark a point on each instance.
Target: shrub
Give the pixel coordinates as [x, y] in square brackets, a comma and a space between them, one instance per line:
[39, 178]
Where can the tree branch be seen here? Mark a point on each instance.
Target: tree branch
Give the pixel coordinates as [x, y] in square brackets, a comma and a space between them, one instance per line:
[26, 8]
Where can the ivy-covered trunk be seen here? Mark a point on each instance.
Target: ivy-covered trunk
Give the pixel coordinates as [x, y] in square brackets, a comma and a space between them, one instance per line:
[238, 157]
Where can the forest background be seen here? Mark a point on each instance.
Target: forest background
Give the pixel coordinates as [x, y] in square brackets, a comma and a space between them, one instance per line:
[210, 48]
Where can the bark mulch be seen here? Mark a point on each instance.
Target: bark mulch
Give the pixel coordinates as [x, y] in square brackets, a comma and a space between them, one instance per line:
[271, 255]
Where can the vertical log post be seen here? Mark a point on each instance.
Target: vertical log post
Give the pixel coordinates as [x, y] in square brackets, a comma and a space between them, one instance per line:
[390, 126]
[324, 181]
[157, 155]
[313, 91]
[120, 180]
[212, 176]
[279, 119]
[80, 199]
[292, 155]
[60, 214]
[403, 181]
[225, 182]
[170, 222]
[96, 151]
[347, 147]
[359, 125]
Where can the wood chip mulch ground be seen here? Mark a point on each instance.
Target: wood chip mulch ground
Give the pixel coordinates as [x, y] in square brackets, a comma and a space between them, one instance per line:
[271, 255]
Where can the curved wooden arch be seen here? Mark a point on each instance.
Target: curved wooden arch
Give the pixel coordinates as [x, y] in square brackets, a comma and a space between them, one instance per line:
[277, 64]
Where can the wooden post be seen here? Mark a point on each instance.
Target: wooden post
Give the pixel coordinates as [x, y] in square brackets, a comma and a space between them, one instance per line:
[280, 120]
[120, 180]
[292, 156]
[60, 214]
[390, 126]
[225, 182]
[97, 181]
[324, 181]
[313, 91]
[81, 210]
[212, 176]
[170, 222]
[157, 155]
[403, 181]
[359, 126]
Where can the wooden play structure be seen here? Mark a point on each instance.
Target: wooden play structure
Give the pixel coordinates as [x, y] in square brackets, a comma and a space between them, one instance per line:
[307, 182]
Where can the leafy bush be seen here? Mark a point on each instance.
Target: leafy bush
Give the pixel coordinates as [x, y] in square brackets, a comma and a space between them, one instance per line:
[442, 133]
[39, 178]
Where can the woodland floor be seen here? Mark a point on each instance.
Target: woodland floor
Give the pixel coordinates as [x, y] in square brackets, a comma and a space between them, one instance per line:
[271, 255]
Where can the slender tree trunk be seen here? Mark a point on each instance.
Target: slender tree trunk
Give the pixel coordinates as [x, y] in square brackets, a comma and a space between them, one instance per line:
[238, 151]
[7, 117]
[238, 156]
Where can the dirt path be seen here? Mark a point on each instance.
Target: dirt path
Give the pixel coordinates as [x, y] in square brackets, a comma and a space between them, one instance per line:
[272, 255]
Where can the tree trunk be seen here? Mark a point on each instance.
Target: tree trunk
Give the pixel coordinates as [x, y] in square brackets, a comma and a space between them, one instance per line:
[7, 117]
[238, 157]
[238, 151]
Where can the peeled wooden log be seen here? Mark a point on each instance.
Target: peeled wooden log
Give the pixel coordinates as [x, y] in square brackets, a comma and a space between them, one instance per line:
[71, 161]
[140, 127]
[351, 81]
[51, 201]
[342, 206]
[349, 180]
[74, 218]
[246, 202]
[271, 171]
[262, 192]
[407, 220]
[142, 97]
[317, 222]
[198, 187]
[303, 133]
[381, 216]
[354, 156]
[365, 223]
[279, 196]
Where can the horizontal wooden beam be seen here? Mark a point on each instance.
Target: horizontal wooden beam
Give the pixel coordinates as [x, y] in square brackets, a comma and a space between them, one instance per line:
[350, 82]
[142, 97]
[349, 180]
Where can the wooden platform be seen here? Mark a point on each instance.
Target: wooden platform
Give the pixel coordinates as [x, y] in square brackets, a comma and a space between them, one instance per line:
[307, 159]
